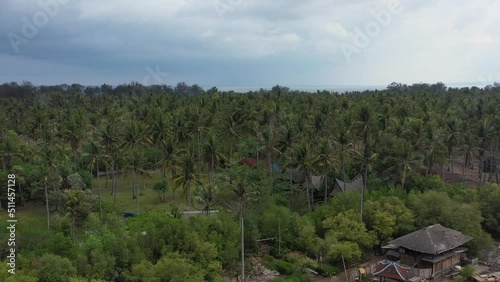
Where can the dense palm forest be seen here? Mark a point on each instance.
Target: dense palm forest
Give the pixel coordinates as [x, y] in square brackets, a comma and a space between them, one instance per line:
[427, 153]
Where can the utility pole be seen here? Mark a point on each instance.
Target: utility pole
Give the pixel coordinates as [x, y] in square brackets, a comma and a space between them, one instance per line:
[345, 270]
[242, 250]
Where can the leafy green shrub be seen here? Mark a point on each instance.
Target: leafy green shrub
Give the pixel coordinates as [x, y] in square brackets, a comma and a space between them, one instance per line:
[272, 265]
[300, 260]
[51, 267]
[284, 267]
[466, 273]
[268, 258]
[327, 270]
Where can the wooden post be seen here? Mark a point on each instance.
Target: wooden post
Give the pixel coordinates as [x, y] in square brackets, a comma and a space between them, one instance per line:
[345, 270]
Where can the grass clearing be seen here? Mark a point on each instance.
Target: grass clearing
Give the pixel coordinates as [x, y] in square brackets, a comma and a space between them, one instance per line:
[148, 199]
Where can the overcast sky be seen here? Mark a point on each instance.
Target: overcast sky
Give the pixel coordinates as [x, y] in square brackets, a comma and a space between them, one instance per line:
[249, 42]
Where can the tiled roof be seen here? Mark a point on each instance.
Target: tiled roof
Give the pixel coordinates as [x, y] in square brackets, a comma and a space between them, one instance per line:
[391, 269]
[434, 239]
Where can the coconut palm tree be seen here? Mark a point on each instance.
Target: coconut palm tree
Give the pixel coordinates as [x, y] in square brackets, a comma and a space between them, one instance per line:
[109, 137]
[342, 140]
[470, 151]
[168, 157]
[285, 144]
[187, 177]
[452, 139]
[433, 147]
[403, 160]
[135, 165]
[365, 158]
[212, 156]
[96, 155]
[325, 161]
[304, 161]
[269, 140]
[485, 135]
[159, 127]
[136, 135]
[74, 130]
[229, 133]
[208, 196]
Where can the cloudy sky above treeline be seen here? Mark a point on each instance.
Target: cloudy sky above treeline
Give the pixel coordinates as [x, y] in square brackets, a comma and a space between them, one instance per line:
[249, 42]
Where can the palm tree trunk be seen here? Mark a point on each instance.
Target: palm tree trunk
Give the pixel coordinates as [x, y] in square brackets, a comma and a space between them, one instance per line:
[490, 176]
[496, 160]
[307, 191]
[230, 150]
[466, 159]
[73, 225]
[464, 172]
[257, 157]
[47, 203]
[291, 188]
[143, 183]
[212, 169]
[452, 159]
[134, 193]
[326, 186]
[403, 179]
[209, 173]
[107, 176]
[198, 138]
[134, 188]
[99, 189]
[481, 165]
[343, 168]
[365, 180]
[442, 170]
[431, 164]
[270, 171]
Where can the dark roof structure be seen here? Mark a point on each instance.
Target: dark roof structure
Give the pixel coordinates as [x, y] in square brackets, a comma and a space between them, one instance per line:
[393, 270]
[355, 184]
[299, 177]
[434, 240]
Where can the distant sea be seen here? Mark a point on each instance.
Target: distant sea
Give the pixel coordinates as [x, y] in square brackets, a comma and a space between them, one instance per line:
[330, 88]
[306, 88]
[336, 88]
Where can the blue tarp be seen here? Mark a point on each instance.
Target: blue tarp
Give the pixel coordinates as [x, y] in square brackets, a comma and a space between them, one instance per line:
[277, 168]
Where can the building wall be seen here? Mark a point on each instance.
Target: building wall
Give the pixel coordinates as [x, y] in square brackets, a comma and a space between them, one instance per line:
[426, 269]
[444, 267]
[408, 259]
